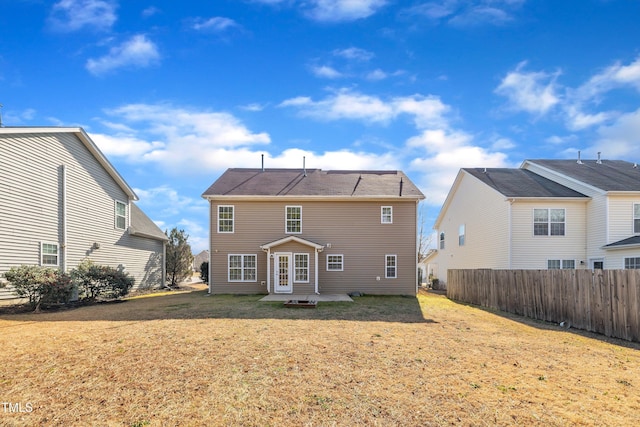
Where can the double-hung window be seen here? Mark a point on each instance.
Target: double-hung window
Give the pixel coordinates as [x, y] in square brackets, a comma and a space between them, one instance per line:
[442, 240]
[293, 219]
[242, 268]
[225, 219]
[121, 215]
[548, 222]
[564, 264]
[636, 218]
[301, 268]
[49, 254]
[335, 263]
[386, 215]
[391, 266]
[632, 263]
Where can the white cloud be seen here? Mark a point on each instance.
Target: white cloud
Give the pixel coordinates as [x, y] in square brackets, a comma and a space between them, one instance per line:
[137, 52]
[614, 76]
[179, 139]
[349, 105]
[73, 15]
[621, 139]
[324, 71]
[342, 10]
[532, 92]
[215, 24]
[336, 160]
[467, 13]
[376, 75]
[354, 53]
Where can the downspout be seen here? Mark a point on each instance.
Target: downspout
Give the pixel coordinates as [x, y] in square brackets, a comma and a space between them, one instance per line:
[268, 270]
[417, 249]
[164, 264]
[318, 250]
[63, 173]
[509, 236]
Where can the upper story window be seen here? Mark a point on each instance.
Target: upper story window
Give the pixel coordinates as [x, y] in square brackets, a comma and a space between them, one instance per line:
[548, 222]
[386, 215]
[442, 240]
[121, 215]
[461, 235]
[636, 218]
[49, 254]
[225, 219]
[293, 219]
[557, 264]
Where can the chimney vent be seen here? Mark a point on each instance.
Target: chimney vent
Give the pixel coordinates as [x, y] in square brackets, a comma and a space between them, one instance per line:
[262, 162]
[304, 165]
[579, 161]
[599, 161]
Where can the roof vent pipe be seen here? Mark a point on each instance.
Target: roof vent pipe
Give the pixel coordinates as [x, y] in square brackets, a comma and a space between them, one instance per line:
[304, 165]
[599, 161]
[579, 161]
[262, 162]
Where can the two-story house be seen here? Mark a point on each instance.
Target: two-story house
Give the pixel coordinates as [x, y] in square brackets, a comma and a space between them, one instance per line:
[63, 201]
[546, 214]
[313, 231]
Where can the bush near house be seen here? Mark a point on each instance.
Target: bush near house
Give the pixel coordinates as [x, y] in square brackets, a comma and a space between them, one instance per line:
[100, 282]
[47, 286]
[40, 285]
[204, 272]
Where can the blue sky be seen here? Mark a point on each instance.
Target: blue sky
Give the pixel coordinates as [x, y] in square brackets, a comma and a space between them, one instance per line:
[175, 92]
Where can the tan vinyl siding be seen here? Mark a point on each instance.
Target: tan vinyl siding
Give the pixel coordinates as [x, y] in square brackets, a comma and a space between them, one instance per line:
[596, 230]
[352, 228]
[32, 209]
[485, 215]
[532, 252]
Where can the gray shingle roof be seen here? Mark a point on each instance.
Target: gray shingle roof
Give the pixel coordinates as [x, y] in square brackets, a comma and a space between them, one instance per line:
[629, 241]
[521, 183]
[316, 182]
[141, 225]
[609, 175]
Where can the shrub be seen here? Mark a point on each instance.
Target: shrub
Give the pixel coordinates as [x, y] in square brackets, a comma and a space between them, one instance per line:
[204, 271]
[40, 285]
[100, 282]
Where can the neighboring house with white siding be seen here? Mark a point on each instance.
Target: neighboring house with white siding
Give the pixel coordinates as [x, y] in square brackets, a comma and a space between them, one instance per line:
[545, 214]
[294, 231]
[62, 201]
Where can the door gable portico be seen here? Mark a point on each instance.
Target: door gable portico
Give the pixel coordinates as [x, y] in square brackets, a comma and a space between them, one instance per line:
[284, 257]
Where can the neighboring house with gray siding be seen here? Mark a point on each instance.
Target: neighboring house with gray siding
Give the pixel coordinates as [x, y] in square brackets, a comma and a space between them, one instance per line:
[546, 214]
[294, 231]
[62, 201]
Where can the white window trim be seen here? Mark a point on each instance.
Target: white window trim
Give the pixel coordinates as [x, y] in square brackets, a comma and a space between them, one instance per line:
[562, 261]
[462, 237]
[116, 216]
[242, 268]
[633, 221]
[341, 262]
[382, 215]
[549, 222]
[286, 219]
[395, 266]
[295, 267]
[57, 245]
[233, 219]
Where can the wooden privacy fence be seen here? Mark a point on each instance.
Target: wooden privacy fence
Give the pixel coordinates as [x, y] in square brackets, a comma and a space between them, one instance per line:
[602, 301]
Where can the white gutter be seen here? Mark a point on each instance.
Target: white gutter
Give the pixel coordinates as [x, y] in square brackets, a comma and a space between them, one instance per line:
[63, 220]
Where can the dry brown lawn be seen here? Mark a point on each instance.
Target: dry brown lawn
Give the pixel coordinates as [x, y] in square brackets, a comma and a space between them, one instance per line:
[192, 359]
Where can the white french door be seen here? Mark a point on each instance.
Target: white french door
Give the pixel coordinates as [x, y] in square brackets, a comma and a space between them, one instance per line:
[282, 273]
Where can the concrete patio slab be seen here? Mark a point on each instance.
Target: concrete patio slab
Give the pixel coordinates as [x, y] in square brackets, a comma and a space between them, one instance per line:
[308, 297]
